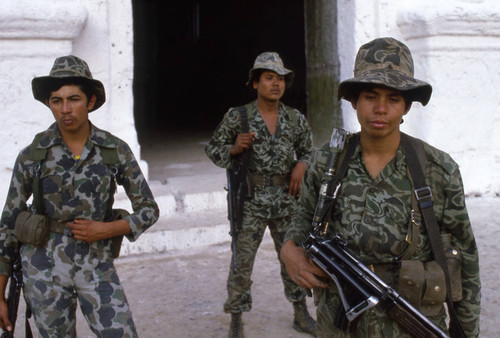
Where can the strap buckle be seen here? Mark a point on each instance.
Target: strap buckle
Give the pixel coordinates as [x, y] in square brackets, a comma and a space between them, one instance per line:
[423, 193]
[423, 196]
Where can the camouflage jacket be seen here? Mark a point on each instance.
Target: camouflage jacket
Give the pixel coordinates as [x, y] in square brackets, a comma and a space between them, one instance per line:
[373, 215]
[271, 154]
[75, 188]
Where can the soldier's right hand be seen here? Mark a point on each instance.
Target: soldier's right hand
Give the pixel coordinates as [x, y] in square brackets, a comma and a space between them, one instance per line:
[300, 267]
[242, 143]
[4, 316]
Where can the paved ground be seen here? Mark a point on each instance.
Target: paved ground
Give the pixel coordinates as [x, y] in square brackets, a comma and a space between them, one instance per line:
[180, 294]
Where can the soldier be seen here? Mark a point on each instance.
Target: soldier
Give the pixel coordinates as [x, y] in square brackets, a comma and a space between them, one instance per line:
[373, 209]
[77, 179]
[276, 134]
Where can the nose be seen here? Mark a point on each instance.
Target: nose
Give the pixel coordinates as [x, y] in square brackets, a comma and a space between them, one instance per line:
[66, 106]
[381, 105]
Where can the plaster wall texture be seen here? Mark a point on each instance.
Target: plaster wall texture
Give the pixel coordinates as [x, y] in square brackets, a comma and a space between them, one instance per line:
[35, 32]
[456, 48]
[454, 44]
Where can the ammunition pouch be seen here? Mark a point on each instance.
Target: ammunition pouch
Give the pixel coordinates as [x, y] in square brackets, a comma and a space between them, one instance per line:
[32, 228]
[423, 285]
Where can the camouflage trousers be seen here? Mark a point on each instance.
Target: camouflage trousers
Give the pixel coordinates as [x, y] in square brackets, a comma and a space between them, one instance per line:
[65, 271]
[248, 240]
[372, 323]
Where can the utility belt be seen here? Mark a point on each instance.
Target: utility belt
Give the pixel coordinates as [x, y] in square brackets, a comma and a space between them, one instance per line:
[34, 229]
[268, 180]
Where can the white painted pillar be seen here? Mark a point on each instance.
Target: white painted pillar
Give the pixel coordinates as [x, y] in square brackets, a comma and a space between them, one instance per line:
[32, 35]
[456, 48]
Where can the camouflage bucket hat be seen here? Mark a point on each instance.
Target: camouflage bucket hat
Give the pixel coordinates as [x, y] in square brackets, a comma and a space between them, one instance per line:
[387, 62]
[270, 61]
[68, 68]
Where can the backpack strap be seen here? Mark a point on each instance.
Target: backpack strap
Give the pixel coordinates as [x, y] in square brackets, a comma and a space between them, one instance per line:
[423, 195]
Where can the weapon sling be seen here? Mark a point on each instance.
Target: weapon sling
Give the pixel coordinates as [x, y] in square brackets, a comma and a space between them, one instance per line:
[412, 148]
[423, 196]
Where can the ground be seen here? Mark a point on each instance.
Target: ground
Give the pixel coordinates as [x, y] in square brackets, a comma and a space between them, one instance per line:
[180, 294]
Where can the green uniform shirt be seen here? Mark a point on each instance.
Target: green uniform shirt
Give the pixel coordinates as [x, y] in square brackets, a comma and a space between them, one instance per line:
[75, 188]
[373, 215]
[270, 154]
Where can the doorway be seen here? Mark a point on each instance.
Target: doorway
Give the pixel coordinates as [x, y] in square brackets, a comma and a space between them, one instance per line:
[192, 57]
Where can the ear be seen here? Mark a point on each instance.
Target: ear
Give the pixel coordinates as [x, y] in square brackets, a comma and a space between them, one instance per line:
[254, 84]
[91, 103]
[408, 109]
[353, 104]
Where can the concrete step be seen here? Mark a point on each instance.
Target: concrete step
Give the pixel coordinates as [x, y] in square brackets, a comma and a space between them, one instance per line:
[193, 213]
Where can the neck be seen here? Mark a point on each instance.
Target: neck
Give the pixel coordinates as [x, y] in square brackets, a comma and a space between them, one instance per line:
[76, 141]
[383, 146]
[267, 107]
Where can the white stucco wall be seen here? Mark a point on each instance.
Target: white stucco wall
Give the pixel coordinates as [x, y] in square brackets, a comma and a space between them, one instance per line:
[456, 48]
[32, 34]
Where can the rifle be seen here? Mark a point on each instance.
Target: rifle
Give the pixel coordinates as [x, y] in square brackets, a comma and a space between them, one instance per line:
[359, 288]
[15, 286]
[237, 189]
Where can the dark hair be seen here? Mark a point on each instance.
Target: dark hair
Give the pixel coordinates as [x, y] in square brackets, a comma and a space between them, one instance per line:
[55, 85]
[354, 95]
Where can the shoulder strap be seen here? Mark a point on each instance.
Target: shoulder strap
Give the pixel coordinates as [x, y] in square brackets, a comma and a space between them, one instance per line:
[37, 155]
[423, 195]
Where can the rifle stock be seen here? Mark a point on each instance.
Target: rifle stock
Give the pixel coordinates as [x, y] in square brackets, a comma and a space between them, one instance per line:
[360, 289]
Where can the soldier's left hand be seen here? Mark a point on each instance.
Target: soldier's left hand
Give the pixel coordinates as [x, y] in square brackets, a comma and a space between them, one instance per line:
[88, 230]
[296, 179]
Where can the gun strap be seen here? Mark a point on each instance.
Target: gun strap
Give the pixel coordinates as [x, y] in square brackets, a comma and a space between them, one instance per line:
[423, 196]
[341, 170]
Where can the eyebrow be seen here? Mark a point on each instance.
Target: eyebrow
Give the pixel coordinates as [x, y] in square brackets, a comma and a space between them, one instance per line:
[68, 97]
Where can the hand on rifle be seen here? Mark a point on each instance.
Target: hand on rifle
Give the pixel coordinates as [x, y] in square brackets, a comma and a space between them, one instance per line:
[242, 143]
[300, 267]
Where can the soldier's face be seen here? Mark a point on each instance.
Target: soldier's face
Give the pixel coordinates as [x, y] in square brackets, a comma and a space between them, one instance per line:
[70, 108]
[270, 87]
[380, 111]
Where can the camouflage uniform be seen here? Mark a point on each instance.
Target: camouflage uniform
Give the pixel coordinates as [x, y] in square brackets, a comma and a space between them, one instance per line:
[373, 215]
[65, 269]
[271, 206]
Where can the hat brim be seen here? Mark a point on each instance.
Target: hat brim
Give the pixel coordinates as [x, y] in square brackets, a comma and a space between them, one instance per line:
[287, 73]
[38, 85]
[417, 90]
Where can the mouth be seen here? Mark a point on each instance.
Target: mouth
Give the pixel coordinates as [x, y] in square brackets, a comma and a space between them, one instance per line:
[378, 124]
[67, 121]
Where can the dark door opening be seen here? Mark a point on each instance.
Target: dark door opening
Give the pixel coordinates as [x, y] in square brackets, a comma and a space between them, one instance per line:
[192, 57]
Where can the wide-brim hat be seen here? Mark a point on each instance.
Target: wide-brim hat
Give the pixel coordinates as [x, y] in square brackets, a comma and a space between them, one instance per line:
[270, 61]
[387, 62]
[66, 69]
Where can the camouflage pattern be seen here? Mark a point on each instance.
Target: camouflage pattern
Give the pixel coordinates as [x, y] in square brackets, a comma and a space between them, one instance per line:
[68, 67]
[66, 271]
[270, 205]
[75, 189]
[374, 214]
[270, 61]
[387, 62]
[247, 243]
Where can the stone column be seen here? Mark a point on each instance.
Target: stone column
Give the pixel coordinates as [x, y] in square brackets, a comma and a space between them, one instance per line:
[32, 35]
[456, 47]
